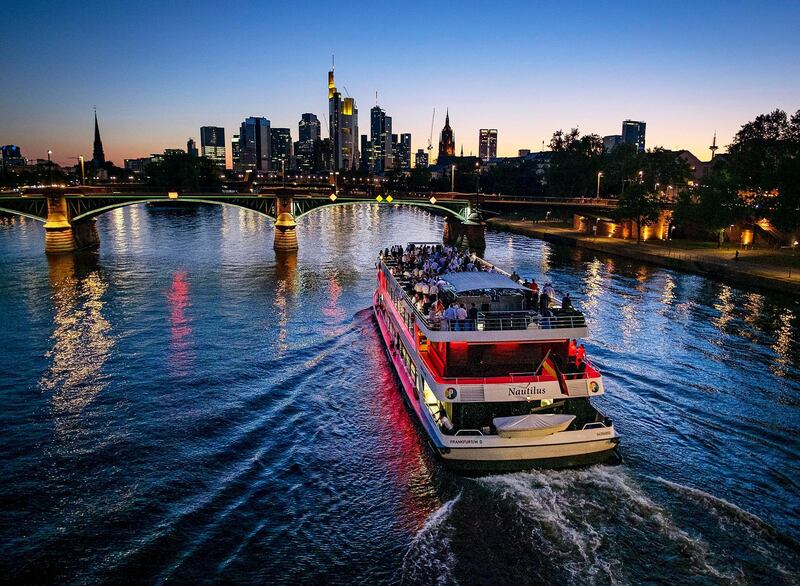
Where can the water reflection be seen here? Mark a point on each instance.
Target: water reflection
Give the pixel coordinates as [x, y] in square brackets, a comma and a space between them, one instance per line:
[783, 343]
[181, 357]
[725, 306]
[285, 290]
[81, 338]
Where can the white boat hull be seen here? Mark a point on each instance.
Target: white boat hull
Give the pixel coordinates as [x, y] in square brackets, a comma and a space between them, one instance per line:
[487, 453]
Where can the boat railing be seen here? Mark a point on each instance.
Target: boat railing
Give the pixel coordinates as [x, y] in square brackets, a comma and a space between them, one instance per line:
[489, 320]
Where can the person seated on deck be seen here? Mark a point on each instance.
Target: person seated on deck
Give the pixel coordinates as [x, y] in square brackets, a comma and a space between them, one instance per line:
[572, 349]
[580, 355]
[514, 276]
[566, 302]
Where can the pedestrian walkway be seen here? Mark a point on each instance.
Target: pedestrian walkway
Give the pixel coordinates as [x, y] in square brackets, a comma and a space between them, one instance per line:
[718, 263]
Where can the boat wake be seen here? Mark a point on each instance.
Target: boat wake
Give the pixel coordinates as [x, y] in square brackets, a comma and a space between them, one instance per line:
[595, 525]
[429, 559]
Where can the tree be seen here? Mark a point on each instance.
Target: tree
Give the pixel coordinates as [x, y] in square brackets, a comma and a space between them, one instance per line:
[182, 172]
[765, 157]
[574, 164]
[641, 205]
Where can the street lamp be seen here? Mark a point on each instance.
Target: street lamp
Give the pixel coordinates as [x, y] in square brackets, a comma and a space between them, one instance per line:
[641, 176]
[599, 175]
[49, 167]
[452, 178]
[283, 172]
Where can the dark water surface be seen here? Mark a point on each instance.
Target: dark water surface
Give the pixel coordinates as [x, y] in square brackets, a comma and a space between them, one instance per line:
[184, 406]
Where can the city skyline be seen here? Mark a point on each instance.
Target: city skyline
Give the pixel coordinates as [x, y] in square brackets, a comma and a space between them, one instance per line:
[692, 78]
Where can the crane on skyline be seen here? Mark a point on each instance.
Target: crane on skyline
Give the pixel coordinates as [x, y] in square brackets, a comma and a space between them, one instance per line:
[430, 137]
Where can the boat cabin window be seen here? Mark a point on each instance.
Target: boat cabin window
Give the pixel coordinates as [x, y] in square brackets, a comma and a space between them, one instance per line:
[455, 359]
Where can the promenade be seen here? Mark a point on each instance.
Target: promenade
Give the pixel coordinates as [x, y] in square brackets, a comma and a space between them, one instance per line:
[777, 270]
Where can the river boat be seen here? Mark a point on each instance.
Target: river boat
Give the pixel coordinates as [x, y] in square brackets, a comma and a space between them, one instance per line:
[506, 388]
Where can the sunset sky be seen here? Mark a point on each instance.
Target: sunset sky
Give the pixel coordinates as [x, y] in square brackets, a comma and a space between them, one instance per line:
[158, 71]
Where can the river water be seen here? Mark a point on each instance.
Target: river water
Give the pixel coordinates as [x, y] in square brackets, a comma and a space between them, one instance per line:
[183, 406]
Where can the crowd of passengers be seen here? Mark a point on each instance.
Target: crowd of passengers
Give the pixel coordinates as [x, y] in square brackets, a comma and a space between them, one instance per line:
[419, 270]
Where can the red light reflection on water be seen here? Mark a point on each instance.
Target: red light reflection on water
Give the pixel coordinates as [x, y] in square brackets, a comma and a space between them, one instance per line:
[402, 453]
[181, 356]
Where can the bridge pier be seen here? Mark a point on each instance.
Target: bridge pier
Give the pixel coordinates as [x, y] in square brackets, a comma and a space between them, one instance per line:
[58, 234]
[285, 226]
[61, 235]
[470, 233]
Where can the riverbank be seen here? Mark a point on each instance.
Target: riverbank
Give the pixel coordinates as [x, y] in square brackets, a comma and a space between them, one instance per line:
[753, 269]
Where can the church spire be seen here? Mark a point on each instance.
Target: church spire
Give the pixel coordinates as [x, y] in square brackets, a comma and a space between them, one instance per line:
[98, 156]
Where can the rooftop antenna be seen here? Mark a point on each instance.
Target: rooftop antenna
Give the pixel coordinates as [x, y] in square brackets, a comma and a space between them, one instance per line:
[376, 97]
[333, 61]
[714, 146]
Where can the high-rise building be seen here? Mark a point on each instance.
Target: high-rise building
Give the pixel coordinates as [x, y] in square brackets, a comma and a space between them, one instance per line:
[212, 144]
[309, 128]
[98, 156]
[343, 128]
[191, 148]
[611, 141]
[421, 158]
[12, 156]
[380, 140]
[365, 166]
[308, 150]
[236, 150]
[447, 143]
[281, 148]
[254, 144]
[401, 151]
[487, 144]
[633, 133]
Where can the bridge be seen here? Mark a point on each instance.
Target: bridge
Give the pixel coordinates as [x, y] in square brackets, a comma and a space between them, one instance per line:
[69, 213]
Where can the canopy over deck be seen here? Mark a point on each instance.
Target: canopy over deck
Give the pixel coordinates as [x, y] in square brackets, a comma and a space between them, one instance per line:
[476, 280]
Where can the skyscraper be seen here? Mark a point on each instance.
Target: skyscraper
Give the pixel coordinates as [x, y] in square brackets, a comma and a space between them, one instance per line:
[309, 128]
[487, 144]
[343, 127]
[421, 158]
[401, 151]
[381, 140]
[98, 156]
[281, 148]
[254, 144]
[212, 144]
[236, 150]
[633, 133]
[447, 143]
[308, 150]
[191, 147]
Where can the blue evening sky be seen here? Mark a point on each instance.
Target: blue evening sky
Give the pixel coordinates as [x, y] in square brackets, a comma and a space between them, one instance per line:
[157, 71]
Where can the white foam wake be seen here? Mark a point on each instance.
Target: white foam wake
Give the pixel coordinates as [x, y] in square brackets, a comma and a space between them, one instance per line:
[430, 558]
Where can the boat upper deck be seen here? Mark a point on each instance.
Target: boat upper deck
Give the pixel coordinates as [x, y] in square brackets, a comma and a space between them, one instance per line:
[456, 296]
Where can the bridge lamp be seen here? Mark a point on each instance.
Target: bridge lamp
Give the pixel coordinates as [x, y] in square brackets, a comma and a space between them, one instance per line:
[332, 197]
[599, 175]
[432, 200]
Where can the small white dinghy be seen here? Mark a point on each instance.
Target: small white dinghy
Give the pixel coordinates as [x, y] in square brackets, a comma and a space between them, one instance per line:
[532, 425]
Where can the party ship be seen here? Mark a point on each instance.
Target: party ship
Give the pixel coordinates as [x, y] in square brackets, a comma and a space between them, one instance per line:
[491, 367]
